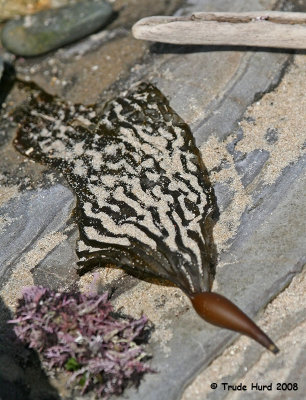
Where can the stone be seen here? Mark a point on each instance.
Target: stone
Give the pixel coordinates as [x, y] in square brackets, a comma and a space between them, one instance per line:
[271, 135]
[48, 30]
[49, 208]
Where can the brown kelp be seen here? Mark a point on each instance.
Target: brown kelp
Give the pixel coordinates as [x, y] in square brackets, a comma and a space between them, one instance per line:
[144, 200]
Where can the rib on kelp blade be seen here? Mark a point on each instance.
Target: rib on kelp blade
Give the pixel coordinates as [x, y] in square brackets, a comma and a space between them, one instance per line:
[144, 200]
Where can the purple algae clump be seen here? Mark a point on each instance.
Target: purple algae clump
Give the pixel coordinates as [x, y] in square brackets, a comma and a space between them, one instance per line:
[79, 333]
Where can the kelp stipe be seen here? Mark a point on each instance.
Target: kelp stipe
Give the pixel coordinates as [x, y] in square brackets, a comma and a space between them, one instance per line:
[220, 311]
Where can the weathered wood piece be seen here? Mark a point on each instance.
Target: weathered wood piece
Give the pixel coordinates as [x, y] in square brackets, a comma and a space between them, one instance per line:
[256, 28]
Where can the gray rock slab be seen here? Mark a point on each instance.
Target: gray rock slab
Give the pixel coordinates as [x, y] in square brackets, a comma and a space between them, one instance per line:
[219, 84]
[210, 88]
[33, 214]
[57, 270]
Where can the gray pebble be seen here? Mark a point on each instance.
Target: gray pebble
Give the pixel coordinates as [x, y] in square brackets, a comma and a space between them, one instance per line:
[271, 135]
[48, 30]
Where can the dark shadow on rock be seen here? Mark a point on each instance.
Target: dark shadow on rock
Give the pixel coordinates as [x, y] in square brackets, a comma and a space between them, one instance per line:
[167, 48]
[6, 82]
[21, 373]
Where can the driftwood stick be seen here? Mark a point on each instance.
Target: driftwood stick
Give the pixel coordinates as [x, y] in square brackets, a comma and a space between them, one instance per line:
[256, 28]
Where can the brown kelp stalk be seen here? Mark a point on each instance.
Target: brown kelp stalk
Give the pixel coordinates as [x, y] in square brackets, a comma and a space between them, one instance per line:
[220, 311]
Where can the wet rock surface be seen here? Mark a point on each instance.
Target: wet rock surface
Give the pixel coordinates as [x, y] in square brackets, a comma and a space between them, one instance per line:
[251, 143]
[48, 30]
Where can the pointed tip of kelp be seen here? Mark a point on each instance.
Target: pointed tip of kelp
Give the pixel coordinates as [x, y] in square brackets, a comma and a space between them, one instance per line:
[274, 349]
[220, 311]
